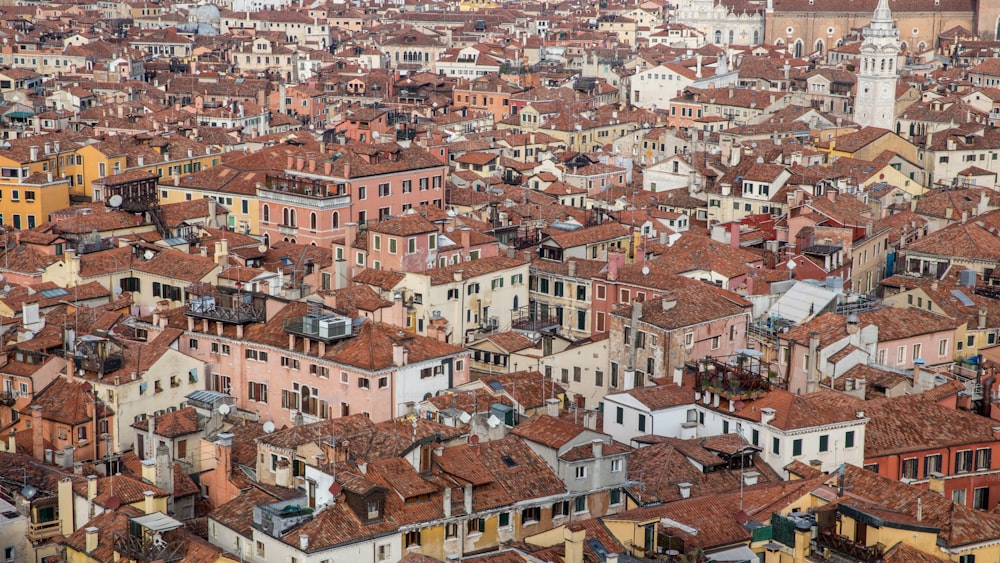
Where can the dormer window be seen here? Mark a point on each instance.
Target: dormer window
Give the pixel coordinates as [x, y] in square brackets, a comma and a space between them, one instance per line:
[373, 512]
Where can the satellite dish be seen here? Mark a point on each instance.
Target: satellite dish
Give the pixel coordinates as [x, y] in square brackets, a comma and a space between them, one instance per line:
[760, 160]
[262, 248]
[224, 409]
[268, 427]
[464, 418]
[493, 421]
[791, 265]
[148, 255]
[645, 270]
[117, 291]
[474, 439]
[115, 201]
[375, 135]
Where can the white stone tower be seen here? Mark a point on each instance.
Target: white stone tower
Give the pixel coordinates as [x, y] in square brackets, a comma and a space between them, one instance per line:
[875, 98]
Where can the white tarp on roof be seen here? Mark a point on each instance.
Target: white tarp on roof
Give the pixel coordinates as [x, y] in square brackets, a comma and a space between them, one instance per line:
[157, 522]
[802, 302]
[735, 554]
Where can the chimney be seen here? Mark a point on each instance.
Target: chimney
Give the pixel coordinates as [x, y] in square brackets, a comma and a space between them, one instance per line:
[399, 354]
[91, 539]
[447, 502]
[164, 469]
[750, 478]
[766, 415]
[668, 301]
[37, 440]
[12, 442]
[920, 509]
[91, 488]
[685, 489]
[304, 542]
[150, 502]
[573, 535]
[467, 498]
[813, 368]
[597, 446]
[981, 321]
[552, 407]
[66, 506]
[571, 268]
[678, 377]
[223, 456]
[466, 237]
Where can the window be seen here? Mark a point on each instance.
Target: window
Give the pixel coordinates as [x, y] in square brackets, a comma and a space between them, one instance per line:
[958, 496]
[616, 465]
[363, 383]
[797, 447]
[291, 363]
[256, 355]
[193, 343]
[849, 439]
[824, 443]
[81, 433]
[775, 446]
[581, 472]
[601, 292]
[531, 515]
[642, 423]
[411, 245]
[384, 552]
[619, 415]
[932, 464]
[943, 347]
[983, 458]
[504, 519]
[257, 392]
[450, 531]
[476, 526]
[413, 538]
[981, 498]
[755, 437]
[260, 549]
[963, 461]
[909, 470]
[580, 504]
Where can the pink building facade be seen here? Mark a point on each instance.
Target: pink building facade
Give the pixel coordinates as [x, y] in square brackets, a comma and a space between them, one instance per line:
[317, 194]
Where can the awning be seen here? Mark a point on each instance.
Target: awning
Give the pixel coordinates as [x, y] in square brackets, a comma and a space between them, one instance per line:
[19, 114]
[157, 522]
[738, 554]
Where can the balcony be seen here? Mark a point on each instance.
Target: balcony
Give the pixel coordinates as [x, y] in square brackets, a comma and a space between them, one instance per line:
[225, 305]
[290, 230]
[38, 531]
[849, 548]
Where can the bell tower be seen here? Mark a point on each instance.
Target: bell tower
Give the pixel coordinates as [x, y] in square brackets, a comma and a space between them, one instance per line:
[875, 98]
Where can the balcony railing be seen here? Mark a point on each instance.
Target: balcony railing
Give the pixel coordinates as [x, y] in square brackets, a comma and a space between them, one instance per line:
[43, 530]
[849, 548]
[288, 230]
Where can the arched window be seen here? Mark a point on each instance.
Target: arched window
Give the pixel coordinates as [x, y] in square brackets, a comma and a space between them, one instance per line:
[718, 36]
[312, 221]
[903, 47]
[291, 216]
[997, 34]
[882, 65]
[266, 214]
[284, 216]
[731, 36]
[335, 220]
[267, 240]
[798, 48]
[756, 37]
[819, 46]
[779, 42]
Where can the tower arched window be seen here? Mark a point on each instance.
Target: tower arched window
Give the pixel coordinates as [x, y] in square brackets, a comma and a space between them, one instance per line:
[335, 220]
[312, 221]
[265, 214]
[718, 36]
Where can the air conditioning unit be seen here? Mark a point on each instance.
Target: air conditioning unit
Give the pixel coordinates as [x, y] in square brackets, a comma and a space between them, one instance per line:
[339, 327]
